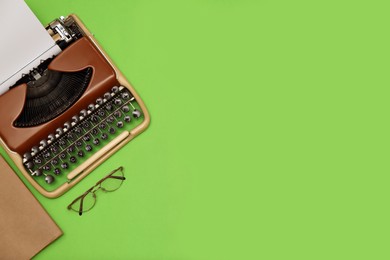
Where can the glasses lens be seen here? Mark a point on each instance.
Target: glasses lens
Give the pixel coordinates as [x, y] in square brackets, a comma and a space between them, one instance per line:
[113, 182]
[88, 203]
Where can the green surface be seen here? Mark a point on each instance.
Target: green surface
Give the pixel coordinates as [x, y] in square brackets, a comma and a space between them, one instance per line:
[269, 134]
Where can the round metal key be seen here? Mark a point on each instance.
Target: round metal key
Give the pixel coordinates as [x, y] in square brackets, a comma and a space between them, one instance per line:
[136, 113]
[88, 148]
[37, 172]
[49, 179]
[57, 171]
[96, 141]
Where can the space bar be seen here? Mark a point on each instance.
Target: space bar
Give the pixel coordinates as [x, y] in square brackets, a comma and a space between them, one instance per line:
[97, 155]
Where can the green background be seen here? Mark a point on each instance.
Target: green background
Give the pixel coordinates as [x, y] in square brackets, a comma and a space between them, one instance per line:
[269, 132]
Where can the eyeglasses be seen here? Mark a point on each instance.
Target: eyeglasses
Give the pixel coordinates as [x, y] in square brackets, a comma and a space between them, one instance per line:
[87, 200]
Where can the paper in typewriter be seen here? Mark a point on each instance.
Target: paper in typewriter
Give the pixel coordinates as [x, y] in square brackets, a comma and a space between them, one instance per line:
[23, 42]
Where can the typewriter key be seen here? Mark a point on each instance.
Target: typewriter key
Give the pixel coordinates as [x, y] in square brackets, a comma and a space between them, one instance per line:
[96, 141]
[102, 126]
[62, 142]
[43, 143]
[94, 132]
[77, 130]
[63, 156]
[75, 119]
[119, 124]
[125, 95]
[125, 109]
[71, 149]
[104, 136]
[67, 125]
[99, 101]
[127, 119]
[46, 155]
[88, 148]
[70, 136]
[86, 137]
[91, 107]
[79, 143]
[30, 165]
[107, 95]
[115, 89]
[83, 113]
[54, 148]
[46, 167]
[118, 113]
[118, 102]
[101, 113]
[136, 113]
[49, 179]
[51, 137]
[73, 159]
[27, 156]
[80, 153]
[57, 171]
[95, 119]
[109, 107]
[112, 130]
[35, 149]
[59, 131]
[110, 119]
[37, 173]
[65, 166]
[54, 161]
[86, 125]
[38, 160]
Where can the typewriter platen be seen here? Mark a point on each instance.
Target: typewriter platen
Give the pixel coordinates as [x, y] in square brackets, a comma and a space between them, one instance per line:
[71, 112]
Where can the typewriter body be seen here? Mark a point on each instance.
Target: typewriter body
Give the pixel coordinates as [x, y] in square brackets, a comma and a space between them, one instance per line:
[68, 112]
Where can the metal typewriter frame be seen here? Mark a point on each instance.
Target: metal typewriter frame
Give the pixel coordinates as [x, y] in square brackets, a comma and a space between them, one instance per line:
[133, 133]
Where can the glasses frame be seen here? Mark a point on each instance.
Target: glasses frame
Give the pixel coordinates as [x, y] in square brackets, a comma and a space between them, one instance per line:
[95, 188]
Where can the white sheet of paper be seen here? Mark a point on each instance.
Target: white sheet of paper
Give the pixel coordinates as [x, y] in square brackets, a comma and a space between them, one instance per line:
[23, 42]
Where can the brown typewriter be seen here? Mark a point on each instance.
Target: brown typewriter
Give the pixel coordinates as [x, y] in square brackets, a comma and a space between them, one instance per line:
[66, 108]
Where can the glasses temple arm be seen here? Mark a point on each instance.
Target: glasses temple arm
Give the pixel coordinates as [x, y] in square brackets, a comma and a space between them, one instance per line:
[81, 206]
[117, 177]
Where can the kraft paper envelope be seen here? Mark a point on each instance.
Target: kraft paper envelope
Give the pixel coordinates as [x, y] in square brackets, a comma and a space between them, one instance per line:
[25, 227]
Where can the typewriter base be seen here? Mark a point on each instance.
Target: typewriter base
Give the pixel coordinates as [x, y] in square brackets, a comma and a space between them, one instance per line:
[105, 154]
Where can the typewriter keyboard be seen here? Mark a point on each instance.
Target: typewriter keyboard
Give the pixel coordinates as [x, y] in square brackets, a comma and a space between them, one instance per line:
[64, 151]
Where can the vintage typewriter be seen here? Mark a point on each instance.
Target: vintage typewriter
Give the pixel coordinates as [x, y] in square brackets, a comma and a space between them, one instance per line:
[65, 110]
